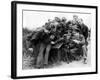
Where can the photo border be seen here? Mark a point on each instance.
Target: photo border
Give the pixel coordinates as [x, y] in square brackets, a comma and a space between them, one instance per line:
[14, 38]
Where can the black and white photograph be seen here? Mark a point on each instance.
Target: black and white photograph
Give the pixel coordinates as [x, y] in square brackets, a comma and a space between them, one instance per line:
[54, 39]
[51, 39]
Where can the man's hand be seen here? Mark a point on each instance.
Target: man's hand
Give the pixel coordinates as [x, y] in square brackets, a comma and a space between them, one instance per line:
[46, 31]
[52, 37]
[30, 49]
[76, 41]
[52, 42]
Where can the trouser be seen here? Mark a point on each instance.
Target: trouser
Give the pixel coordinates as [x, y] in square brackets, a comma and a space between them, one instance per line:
[43, 58]
[84, 47]
[66, 55]
[59, 55]
[39, 61]
[46, 57]
[35, 52]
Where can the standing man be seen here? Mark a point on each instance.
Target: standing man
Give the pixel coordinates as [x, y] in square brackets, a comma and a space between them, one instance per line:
[47, 36]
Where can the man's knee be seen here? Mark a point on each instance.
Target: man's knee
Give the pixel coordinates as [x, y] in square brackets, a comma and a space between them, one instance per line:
[48, 48]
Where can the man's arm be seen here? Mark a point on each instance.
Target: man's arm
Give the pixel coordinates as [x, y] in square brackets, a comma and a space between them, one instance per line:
[79, 39]
[82, 39]
[59, 40]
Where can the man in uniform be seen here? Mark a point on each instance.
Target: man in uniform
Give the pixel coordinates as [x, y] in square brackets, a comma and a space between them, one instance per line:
[46, 44]
[62, 44]
[79, 40]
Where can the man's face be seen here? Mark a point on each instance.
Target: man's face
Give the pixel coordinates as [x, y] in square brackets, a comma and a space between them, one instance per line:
[64, 19]
[57, 19]
[75, 17]
[53, 28]
[80, 21]
[68, 37]
[52, 37]
[76, 33]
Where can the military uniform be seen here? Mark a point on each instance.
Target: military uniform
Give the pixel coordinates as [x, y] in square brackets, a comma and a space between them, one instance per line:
[79, 40]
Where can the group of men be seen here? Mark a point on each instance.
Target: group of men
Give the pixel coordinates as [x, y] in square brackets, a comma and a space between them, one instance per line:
[67, 38]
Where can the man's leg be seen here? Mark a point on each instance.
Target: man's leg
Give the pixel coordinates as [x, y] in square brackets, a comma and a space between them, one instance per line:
[39, 61]
[36, 52]
[66, 55]
[59, 55]
[47, 54]
[84, 53]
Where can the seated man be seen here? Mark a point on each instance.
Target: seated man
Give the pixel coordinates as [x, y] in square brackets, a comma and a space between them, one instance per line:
[62, 44]
[80, 42]
[65, 47]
